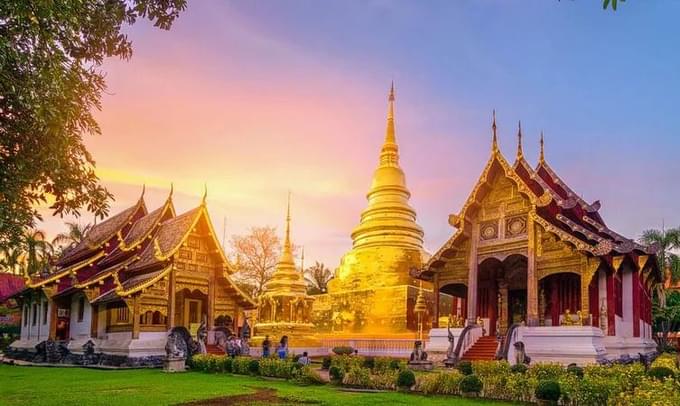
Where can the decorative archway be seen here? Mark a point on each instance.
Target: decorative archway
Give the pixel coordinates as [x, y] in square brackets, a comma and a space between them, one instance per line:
[560, 292]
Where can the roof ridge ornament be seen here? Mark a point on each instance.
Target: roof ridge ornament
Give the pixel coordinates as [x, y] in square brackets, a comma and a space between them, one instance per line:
[172, 190]
[520, 152]
[541, 157]
[205, 193]
[494, 140]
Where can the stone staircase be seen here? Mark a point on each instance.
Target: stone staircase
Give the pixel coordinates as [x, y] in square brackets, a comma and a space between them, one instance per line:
[484, 349]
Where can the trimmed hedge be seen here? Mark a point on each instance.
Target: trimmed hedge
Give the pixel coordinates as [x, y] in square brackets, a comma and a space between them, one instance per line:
[471, 384]
[548, 390]
[406, 379]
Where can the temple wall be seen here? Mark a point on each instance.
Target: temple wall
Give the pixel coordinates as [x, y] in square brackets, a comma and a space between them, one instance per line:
[80, 328]
[35, 327]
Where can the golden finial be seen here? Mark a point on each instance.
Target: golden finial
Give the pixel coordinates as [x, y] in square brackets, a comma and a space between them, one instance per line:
[541, 157]
[143, 191]
[172, 190]
[390, 132]
[287, 242]
[302, 260]
[205, 194]
[520, 153]
[494, 140]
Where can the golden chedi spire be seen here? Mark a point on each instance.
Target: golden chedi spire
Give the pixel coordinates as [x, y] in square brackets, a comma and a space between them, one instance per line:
[388, 220]
[286, 278]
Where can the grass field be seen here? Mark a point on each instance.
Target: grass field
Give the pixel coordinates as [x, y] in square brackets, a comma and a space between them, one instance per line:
[79, 386]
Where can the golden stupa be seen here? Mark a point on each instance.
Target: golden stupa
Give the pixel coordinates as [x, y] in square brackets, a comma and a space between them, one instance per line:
[285, 307]
[373, 293]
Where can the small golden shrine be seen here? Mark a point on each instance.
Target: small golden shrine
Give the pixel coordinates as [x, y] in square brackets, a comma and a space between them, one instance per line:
[285, 307]
[373, 292]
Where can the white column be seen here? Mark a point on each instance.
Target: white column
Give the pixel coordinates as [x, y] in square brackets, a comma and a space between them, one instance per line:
[472, 276]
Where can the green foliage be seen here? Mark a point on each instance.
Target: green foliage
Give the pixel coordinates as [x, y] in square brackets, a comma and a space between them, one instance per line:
[406, 379]
[519, 369]
[396, 364]
[650, 392]
[547, 371]
[575, 370]
[606, 3]
[326, 363]
[660, 373]
[440, 383]
[276, 368]
[347, 362]
[465, 367]
[666, 360]
[369, 362]
[548, 390]
[358, 377]
[308, 376]
[471, 384]
[51, 53]
[241, 365]
[343, 350]
[254, 367]
[336, 374]
[493, 375]
[385, 380]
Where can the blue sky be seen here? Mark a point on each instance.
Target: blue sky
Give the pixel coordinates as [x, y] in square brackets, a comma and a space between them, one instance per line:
[280, 95]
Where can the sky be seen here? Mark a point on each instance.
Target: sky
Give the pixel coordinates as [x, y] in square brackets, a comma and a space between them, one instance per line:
[258, 98]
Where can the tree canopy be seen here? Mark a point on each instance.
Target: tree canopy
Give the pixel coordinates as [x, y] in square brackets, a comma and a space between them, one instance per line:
[51, 53]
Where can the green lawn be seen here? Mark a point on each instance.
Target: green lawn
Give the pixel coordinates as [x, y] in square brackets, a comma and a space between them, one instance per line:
[79, 386]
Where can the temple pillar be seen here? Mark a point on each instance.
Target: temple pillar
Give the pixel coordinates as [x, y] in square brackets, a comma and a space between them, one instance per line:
[611, 303]
[211, 303]
[636, 303]
[171, 300]
[435, 290]
[532, 281]
[472, 276]
[135, 316]
[53, 319]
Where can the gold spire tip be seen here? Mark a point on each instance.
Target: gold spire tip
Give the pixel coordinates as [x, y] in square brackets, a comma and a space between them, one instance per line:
[520, 153]
[494, 139]
[205, 193]
[542, 153]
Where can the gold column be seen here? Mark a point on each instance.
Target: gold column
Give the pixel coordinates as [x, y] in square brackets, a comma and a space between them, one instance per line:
[135, 316]
[171, 300]
[532, 281]
[435, 290]
[503, 310]
[211, 302]
[472, 276]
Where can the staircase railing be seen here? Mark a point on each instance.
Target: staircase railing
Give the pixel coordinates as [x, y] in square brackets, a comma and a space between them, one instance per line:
[467, 339]
[504, 348]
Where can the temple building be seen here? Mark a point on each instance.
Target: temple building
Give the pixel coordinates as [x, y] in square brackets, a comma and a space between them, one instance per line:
[285, 308]
[373, 292]
[133, 277]
[529, 252]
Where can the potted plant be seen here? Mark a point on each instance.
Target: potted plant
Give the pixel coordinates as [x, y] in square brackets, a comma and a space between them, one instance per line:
[470, 386]
[548, 392]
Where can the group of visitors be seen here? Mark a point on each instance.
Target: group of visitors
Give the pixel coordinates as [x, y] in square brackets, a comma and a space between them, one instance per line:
[236, 346]
[282, 350]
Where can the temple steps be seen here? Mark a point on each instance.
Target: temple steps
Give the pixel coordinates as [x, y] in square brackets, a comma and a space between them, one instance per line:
[484, 349]
[214, 349]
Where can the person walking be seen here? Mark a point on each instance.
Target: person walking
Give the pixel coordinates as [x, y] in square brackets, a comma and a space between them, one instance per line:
[283, 347]
[266, 347]
[304, 359]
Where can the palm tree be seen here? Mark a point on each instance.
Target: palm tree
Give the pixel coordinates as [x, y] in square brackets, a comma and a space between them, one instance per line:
[667, 241]
[38, 251]
[317, 277]
[73, 236]
[12, 260]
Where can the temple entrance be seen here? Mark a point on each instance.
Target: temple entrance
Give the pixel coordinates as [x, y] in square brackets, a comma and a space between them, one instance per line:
[502, 293]
[560, 298]
[192, 307]
[457, 311]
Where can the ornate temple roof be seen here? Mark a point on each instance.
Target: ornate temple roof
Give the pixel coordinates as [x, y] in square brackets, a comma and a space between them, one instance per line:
[100, 233]
[558, 208]
[10, 285]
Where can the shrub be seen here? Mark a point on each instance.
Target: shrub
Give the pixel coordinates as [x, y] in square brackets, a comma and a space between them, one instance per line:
[441, 383]
[347, 362]
[227, 365]
[406, 379]
[358, 377]
[650, 392]
[385, 380]
[369, 362]
[336, 374]
[308, 376]
[465, 367]
[575, 370]
[395, 364]
[665, 360]
[254, 367]
[276, 368]
[241, 365]
[547, 371]
[326, 363]
[381, 364]
[660, 373]
[343, 350]
[470, 384]
[519, 369]
[548, 390]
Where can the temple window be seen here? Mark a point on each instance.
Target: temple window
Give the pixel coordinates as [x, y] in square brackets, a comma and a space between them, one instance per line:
[35, 314]
[81, 309]
[122, 314]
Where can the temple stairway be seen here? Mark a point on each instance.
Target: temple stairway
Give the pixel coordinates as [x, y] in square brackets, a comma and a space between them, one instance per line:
[484, 349]
[214, 349]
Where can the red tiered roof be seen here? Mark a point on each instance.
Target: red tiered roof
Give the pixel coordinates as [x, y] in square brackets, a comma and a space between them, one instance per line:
[10, 285]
